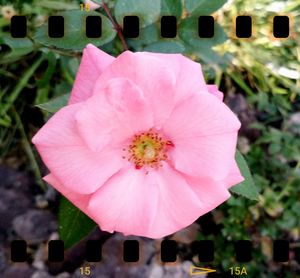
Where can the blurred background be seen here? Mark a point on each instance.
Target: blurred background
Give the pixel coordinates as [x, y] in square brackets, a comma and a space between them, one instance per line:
[260, 78]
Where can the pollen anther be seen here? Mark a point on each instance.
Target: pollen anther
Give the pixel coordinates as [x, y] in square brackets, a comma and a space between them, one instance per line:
[148, 149]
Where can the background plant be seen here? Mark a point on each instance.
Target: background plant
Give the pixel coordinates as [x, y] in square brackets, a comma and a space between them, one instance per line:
[38, 72]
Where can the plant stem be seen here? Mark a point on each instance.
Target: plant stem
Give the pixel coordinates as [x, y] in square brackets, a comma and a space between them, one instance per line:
[64, 53]
[29, 152]
[116, 25]
[20, 85]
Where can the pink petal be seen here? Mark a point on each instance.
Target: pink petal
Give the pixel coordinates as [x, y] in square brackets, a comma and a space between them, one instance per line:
[213, 89]
[204, 132]
[129, 105]
[115, 114]
[93, 63]
[182, 202]
[189, 76]
[95, 122]
[201, 115]
[209, 156]
[153, 205]
[211, 193]
[92, 5]
[79, 200]
[69, 159]
[126, 203]
[234, 176]
[155, 79]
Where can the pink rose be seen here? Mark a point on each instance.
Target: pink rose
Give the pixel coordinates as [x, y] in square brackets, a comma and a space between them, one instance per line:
[144, 147]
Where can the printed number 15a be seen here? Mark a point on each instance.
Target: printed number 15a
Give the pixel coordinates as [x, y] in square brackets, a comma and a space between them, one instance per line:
[239, 271]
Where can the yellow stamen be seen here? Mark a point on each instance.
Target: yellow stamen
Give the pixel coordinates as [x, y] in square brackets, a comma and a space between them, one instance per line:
[148, 149]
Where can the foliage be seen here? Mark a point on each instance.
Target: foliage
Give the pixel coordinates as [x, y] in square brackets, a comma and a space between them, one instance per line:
[147, 11]
[75, 38]
[54, 104]
[73, 223]
[203, 7]
[38, 71]
[247, 187]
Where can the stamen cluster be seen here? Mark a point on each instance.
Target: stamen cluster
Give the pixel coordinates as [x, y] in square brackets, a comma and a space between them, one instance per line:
[148, 149]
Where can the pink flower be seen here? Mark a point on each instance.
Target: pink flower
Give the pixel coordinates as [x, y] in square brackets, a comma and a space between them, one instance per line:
[91, 4]
[144, 147]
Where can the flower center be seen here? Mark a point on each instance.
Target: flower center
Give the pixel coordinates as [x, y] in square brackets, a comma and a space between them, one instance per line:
[148, 149]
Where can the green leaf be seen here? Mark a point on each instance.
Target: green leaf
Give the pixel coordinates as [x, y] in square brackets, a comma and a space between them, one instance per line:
[203, 7]
[148, 35]
[21, 84]
[171, 7]
[74, 225]
[55, 104]
[208, 56]
[150, 40]
[147, 11]
[246, 188]
[51, 58]
[75, 37]
[165, 47]
[19, 48]
[188, 32]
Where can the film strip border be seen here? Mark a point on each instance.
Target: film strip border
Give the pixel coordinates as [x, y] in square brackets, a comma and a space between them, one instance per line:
[204, 249]
[281, 26]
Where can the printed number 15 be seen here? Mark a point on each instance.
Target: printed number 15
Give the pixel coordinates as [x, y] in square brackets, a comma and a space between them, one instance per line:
[85, 7]
[85, 270]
